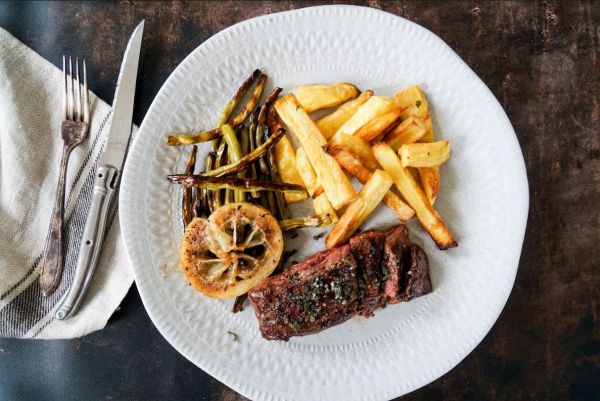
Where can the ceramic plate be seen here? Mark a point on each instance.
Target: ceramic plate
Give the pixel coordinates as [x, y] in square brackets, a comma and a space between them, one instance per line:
[483, 199]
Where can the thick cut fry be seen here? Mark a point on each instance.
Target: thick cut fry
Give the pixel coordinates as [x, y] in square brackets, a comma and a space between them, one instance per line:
[332, 122]
[430, 181]
[357, 212]
[375, 106]
[378, 125]
[412, 102]
[336, 185]
[315, 97]
[428, 137]
[353, 165]
[359, 147]
[285, 159]
[410, 190]
[424, 154]
[430, 176]
[411, 130]
[321, 204]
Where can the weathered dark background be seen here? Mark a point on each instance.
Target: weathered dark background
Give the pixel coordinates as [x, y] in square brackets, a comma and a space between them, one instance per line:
[540, 59]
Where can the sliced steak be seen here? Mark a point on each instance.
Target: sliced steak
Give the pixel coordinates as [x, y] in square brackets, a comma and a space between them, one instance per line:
[396, 240]
[415, 280]
[308, 297]
[367, 248]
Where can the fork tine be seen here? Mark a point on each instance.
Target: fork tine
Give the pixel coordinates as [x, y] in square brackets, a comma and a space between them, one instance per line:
[70, 89]
[65, 88]
[77, 91]
[86, 98]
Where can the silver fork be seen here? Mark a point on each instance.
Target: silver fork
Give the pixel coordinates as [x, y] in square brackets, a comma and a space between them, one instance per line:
[75, 126]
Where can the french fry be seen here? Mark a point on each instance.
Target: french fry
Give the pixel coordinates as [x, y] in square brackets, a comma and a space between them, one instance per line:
[315, 97]
[412, 102]
[409, 131]
[321, 204]
[357, 212]
[429, 176]
[410, 190]
[378, 125]
[424, 154]
[428, 137]
[358, 147]
[353, 165]
[336, 185]
[332, 122]
[375, 106]
[285, 160]
[430, 181]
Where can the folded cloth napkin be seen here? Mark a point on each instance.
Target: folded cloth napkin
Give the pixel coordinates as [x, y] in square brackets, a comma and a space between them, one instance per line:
[30, 151]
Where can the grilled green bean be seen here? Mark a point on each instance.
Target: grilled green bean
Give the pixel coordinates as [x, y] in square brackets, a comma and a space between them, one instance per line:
[306, 222]
[242, 163]
[190, 139]
[186, 200]
[241, 184]
[252, 101]
[241, 92]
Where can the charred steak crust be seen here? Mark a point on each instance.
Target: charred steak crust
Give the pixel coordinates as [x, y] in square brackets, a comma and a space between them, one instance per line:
[396, 239]
[367, 248]
[416, 281]
[308, 297]
[331, 286]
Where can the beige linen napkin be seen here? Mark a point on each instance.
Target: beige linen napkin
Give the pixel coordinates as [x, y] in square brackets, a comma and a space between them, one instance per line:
[30, 151]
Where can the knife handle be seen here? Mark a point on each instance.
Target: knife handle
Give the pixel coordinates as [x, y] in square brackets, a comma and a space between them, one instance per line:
[93, 235]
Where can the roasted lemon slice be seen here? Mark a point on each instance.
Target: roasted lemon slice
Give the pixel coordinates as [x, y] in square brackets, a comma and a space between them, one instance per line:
[236, 248]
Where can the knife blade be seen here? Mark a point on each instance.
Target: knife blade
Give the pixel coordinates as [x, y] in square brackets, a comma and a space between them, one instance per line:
[107, 177]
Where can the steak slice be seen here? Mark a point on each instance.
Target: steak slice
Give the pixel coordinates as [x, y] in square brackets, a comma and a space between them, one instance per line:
[308, 297]
[367, 248]
[396, 240]
[415, 280]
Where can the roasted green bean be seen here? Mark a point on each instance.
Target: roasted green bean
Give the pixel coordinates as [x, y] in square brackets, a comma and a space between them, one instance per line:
[241, 184]
[252, 101]
[186, 200]
[190, 139]
[244, 162]
[305, 222]
[241, 92]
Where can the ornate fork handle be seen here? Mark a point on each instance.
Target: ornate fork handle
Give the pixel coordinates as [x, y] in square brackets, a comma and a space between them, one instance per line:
[52, 261]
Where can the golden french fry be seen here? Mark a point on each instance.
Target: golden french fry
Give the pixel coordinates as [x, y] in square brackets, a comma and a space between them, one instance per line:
[358, 147]
[410, 190]
[353, 165]
[285, 160]
[315, 97]
[409, 131]
[321, 204]
[375, 106]
[336, 185]
[430, 181]
[357, 212]
[424, 154]
[428, 137]
[412, 102]
[378, 125]
[332, 122]
[429, 176]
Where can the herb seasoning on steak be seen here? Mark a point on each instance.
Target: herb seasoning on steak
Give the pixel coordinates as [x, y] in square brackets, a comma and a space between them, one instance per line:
[330, 287]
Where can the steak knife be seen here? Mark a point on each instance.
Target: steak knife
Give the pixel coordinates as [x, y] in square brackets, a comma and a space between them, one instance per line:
[107, 177]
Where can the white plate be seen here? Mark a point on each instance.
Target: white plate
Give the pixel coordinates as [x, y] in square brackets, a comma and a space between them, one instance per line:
[484, 200]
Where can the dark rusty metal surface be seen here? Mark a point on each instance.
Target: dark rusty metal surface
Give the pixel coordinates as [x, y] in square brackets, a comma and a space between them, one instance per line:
[540, 59]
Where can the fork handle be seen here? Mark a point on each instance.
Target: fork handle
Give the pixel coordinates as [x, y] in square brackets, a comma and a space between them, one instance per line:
[91, 242]
[52, 262]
